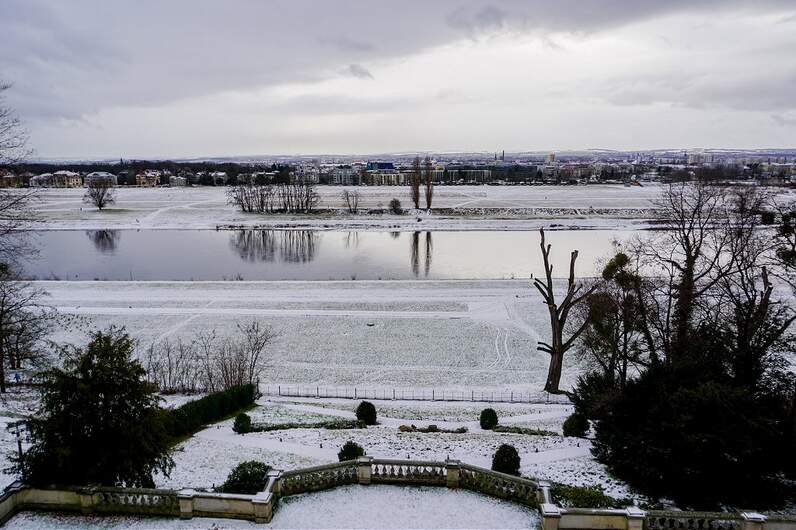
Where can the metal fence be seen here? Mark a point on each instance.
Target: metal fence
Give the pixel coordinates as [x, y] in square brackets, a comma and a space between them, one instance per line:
[412, 394]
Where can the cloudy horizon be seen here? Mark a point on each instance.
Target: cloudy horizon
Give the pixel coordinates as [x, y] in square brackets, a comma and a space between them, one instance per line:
[186, 78]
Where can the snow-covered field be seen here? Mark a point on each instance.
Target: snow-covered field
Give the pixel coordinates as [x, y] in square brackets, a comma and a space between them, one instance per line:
[598, 206]
[346, 507]
[449, 335]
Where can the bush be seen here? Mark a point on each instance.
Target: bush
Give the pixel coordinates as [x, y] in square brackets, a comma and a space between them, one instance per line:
[592, 392]
[395, 207]
[689, 433]
[576, 425]
[488, 419]
[366, 412]
[192, 416]
[248, 477]
[767, 217]
[243, 423]
[350, 451]
[514, 429]
[506, 460]
[585, 497]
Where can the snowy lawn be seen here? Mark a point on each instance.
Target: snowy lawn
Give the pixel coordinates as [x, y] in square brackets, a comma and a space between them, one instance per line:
[345, 507]
[452, 335]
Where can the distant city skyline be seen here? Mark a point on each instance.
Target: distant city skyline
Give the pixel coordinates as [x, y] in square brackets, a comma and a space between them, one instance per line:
[186, 79]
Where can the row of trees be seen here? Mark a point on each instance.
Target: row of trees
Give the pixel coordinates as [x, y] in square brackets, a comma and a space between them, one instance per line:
[207, 362]
[422, 173]
[297, 196]
[687, 336]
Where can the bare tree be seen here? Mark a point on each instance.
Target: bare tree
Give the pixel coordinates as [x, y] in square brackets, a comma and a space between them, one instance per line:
[100, 193]
[21, 316]
[351, 200]
[414, 182]
[15, 205]
[428, 178]
[13, 136]
[559, 314]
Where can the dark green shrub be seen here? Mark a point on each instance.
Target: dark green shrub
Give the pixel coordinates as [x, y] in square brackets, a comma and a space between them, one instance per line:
[248, 477]
[350, 451]
[513, 429]
[243, 423]
[767, 217]
[506, 460]
[585, 497]
[488, 419]
[592, 392]
[366, 412]
[192, 416]
[395, 207]
[576, 425]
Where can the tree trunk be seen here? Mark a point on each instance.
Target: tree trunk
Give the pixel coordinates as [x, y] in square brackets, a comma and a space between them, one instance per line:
[554, 373]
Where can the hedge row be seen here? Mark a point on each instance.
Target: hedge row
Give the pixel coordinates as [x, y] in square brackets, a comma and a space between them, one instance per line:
[193, 415]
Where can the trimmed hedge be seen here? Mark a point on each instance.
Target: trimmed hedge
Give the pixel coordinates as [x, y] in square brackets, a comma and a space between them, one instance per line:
[193, 415]
[243, 423]
[586, 497]
[350, 451]
[506, 460]
[248, 477]
[331, 425]
[576, 425]
[366, 412]
[513, 429]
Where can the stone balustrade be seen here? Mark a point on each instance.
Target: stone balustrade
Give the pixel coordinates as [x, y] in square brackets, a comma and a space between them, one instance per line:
[260, 507]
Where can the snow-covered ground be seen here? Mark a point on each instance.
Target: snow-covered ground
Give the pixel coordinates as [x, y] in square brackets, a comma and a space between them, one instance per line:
[206, 459]
[598, 206]
[345, 507]
[448, 335]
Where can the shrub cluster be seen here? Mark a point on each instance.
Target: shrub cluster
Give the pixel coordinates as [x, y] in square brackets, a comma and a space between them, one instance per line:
[513, 429]
[248, 477]
[576, 425]
[331, 425]
[431, 429]
[506, 460]
[488, 419]
[350, 451]
[585, 497]
[366, 412]
[190, 417]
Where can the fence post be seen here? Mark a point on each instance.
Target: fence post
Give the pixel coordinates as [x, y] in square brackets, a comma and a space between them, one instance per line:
[363, 469]
[752, 521]
[452, 473]
[185, 498]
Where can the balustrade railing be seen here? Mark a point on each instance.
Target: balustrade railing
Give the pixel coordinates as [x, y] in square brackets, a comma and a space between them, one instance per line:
[408, 472]
[134, 500]
[674, 520]
[317, 478]
[517, 489]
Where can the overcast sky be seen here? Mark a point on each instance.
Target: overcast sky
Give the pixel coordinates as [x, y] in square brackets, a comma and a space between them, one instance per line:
[208, 78]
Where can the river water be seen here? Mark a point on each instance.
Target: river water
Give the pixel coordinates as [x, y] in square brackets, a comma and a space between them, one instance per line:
[310, 255]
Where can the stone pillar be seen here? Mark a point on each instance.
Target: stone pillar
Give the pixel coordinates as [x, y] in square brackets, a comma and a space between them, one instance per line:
[86, 500]
[753, 521]
[551, 516]
[185, 498]
[263, 507]
[452, 473]
[273, 481]
[543, 493]
[363, 469]
[635, 518]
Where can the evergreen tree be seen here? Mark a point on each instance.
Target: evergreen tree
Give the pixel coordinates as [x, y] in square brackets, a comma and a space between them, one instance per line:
[99, 420]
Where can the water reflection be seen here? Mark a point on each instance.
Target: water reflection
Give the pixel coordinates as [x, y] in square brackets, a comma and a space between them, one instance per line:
[104, 241]
[352, 240]
[291, 246]
[414, 253]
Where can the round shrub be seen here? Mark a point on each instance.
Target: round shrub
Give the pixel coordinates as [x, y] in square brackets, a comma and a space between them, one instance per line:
[506, 460]
[248, 477]
[576, 425]
[488, 419]
[350, 451]
[243, 423]
[366, 413]
[395, 207]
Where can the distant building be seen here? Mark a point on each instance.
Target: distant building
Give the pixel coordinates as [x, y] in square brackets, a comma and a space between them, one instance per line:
[9, 179]
[175, 181]
[345, 176]
[100, 176]
[59, 179]
[148, 178]
[551, 158]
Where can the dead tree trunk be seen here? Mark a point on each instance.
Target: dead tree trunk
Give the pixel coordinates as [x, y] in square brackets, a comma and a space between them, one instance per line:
[558, 315]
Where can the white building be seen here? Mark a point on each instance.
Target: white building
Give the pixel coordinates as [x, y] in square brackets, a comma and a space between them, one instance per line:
[100, 176]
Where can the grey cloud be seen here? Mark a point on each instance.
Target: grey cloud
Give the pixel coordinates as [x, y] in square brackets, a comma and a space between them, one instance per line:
[358, 71]
[783, 121]
[69, 59]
